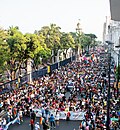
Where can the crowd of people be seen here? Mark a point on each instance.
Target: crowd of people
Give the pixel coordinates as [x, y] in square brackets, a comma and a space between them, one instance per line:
[87, 86]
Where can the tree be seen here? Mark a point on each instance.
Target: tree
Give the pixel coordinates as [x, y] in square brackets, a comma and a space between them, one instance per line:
[118, 72]
[16, 42]
[52, 36]
[44, 53]
[76, 38]
[4, 50]
[83, 41]
[93, 38]
[67, 42]
[17, 48]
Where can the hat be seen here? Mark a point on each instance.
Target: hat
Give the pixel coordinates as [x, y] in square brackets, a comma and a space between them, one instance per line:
[37, 123]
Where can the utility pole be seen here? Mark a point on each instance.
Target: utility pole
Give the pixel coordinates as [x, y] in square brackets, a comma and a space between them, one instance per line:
[118, 74]
[108, 94]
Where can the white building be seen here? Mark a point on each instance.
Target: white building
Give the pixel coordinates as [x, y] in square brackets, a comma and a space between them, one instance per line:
[115, 29]
[111, 32]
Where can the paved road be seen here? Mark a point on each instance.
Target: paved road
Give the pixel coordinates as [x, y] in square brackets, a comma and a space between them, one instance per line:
[67, 95]
[64, 125]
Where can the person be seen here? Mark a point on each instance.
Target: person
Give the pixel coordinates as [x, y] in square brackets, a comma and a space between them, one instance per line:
[46, 125]
[21, 115]
[43, 112]
[18, 118]
[32, 124]
[52, 121]
[37, 126]
[68, 116]
[33, 116]
[41, 121]
[47, 112]
[80, 126]
[1, 127]
[57, 116]
[4, 123]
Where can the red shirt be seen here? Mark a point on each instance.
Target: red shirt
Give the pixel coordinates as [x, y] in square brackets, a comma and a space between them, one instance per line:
[31, 122]
[68, 114]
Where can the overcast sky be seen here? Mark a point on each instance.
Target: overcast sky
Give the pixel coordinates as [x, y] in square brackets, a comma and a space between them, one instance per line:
[31, 15]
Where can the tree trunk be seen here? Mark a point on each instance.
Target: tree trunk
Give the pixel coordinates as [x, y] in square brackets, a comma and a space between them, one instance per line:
[13, 75]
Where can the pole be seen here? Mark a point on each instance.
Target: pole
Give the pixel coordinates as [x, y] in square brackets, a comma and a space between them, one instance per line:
[118, 77]
[108, 97]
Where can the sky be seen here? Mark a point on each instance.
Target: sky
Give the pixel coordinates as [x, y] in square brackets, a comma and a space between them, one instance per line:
[31, 15]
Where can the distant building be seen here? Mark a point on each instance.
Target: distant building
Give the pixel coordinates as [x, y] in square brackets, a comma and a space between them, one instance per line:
[105, 30]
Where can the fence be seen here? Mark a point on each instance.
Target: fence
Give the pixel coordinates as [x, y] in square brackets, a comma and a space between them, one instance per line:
[11, 85]
[39, 73]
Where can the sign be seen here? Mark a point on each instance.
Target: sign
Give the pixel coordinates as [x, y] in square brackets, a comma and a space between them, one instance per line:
[48, 69]
[77, 115]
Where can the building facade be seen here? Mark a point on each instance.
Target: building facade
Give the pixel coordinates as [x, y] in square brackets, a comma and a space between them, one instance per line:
[111, 32]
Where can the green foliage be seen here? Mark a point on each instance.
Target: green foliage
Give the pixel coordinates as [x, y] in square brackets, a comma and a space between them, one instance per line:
[118, 72]
[17, 48]
[92, 39]
[52, 36]
[4, 50]
[16, 41]
[92, 36]
[85, 41]
[33, 45]
[67, 41]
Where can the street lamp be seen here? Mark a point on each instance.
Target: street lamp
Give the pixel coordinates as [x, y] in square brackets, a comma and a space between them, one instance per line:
[118, 76]
[108, 94]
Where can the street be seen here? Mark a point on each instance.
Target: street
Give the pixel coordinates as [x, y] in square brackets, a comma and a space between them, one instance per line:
[64, 125]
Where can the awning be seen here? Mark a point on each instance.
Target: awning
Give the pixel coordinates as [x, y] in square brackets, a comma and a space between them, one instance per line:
[115, 9]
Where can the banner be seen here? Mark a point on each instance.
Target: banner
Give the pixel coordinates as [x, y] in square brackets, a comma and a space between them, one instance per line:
[48, 69]
[73, 115]
[77, 115]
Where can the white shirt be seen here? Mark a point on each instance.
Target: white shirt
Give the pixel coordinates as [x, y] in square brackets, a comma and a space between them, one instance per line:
[21, 113]
[37, 127]
[4, 122]
[57, 116]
